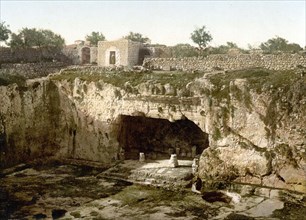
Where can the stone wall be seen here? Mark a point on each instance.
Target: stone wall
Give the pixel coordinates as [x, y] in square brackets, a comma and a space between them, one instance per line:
[73, 54]
[78, 54]
[32, 70]
[30, 55]
[228, 62]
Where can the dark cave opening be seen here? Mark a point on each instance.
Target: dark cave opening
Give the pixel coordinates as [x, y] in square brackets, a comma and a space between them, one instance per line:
[158, 138]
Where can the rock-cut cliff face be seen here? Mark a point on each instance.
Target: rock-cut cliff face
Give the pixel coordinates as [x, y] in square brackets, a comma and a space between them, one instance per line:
[29, 121]
[246, 126]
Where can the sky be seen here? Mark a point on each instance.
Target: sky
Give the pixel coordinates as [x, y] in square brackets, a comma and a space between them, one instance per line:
[165, 22]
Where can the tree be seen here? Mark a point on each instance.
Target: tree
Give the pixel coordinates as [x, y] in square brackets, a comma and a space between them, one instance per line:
[231, 45]
[4, 31]
[201, 37]
[183, 50]
[94, 37]
[50, 39]
[223, 49]
[279, 44]
[16, 41]
[137, 37]
[31, 37]
[293, 48]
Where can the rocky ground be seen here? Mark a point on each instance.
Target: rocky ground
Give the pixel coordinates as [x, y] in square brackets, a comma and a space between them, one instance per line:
[62, 191]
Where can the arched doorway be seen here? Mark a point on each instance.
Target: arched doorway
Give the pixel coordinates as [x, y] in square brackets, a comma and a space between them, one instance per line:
[85, 55]
[143, 53]
[159, 137]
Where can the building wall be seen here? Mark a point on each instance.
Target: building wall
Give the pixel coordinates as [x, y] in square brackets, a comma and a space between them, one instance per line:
[127, 52]
[75, 54]
[118, 59]
[120, 47]
[93, 54]
[133, 53]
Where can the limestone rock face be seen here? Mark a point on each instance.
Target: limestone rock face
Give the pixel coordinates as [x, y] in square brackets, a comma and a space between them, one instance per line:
[30, 121]
[261, 137]
[256, 130]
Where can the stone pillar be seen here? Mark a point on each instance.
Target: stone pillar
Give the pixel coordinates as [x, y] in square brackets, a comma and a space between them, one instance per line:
[170, 150]
[122, 154]
[195, 165]
[193, 151]
[173, 161]
[177, 150]
[142, 157]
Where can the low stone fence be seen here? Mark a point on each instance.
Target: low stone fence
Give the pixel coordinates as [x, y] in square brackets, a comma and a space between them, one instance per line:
[31, 55]
[228, 62]
[32, 70]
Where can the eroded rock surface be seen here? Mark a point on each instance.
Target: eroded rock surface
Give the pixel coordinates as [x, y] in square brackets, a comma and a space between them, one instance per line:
[63, 191]
[254, 119]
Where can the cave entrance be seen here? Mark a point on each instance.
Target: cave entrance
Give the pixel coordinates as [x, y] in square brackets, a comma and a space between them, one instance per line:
[158, 138]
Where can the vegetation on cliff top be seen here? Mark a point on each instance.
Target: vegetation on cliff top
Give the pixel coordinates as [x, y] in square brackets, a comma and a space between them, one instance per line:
[6, 79]
[258, 80]
[118, 79]
[285, 89]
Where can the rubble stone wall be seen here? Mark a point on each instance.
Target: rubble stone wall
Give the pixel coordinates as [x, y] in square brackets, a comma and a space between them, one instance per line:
[32, 70]
[228, 62]
[30, 55]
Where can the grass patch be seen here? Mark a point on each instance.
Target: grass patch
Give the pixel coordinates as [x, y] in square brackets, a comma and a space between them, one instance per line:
[134, 195]
[217, 134]
[258, 78]
[149, 199]
[76, 214]
[7, 79]
[94, 213]
[291, 210]
[286, 151]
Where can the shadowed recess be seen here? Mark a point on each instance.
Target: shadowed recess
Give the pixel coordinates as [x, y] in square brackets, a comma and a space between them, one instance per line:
[158, 138]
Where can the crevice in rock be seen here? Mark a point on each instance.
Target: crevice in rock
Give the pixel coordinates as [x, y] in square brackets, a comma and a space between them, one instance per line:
[73, 142]
[249, 145]
[280, 178]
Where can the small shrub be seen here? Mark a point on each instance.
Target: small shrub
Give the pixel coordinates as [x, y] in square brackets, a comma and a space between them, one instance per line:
[217, 134]
[76, 214]
[94, 213]
[119, 79]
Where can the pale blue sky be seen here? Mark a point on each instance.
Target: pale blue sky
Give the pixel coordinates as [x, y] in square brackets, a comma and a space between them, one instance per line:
[164, 22]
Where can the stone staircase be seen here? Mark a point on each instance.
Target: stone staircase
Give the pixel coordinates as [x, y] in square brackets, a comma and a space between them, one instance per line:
[156, 173]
